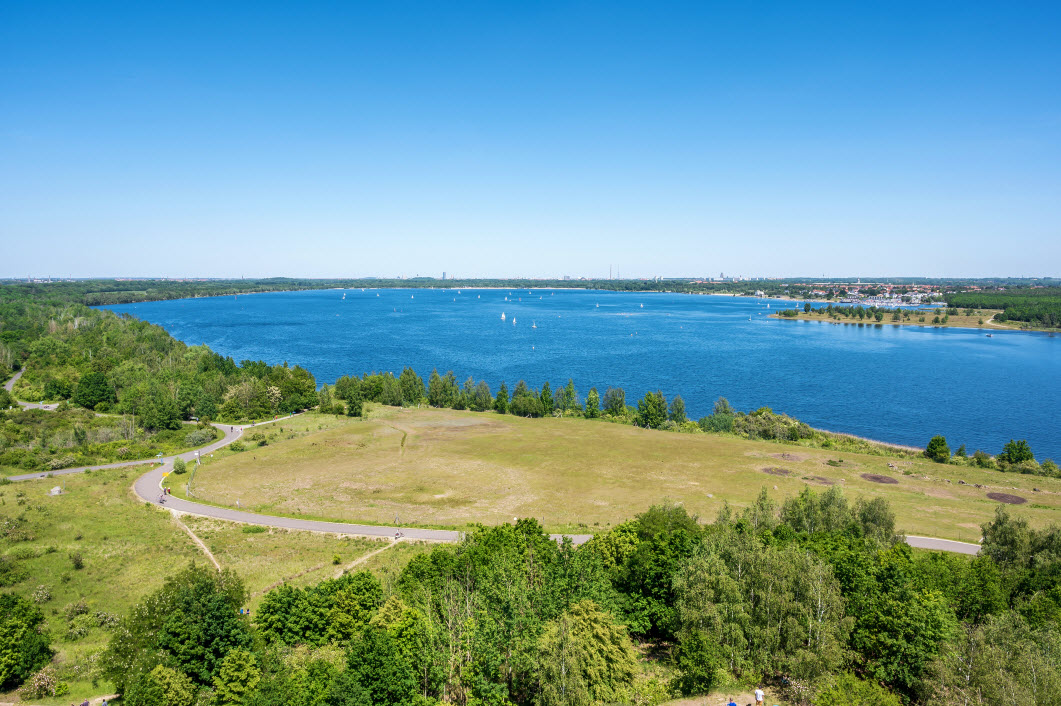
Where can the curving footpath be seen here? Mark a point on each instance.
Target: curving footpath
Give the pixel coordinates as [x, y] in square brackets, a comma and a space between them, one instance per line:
[148, 488]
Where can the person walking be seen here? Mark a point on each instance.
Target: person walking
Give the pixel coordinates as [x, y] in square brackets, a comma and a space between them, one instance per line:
[759, 696]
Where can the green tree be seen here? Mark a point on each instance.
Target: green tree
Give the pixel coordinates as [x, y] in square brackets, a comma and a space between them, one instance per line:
[238, 675]
[592, 404]
[546, 398]
[806, 307]
[677, 410]
[190, 623]
[584, 657]
[23, 644]
[937, 449]
[501, 401]
[698, 663]
[1015, 452]
[615, 401]
[161, 686]
[652, 410]
[412, 387]
[92, 389]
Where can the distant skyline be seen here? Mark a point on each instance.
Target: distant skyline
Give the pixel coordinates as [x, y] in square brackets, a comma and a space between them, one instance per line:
[530, 139]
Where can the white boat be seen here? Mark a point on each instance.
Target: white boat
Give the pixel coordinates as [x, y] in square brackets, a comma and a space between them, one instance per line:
[534, 325]
[598, 306]
[502, 316]
[344, 295]
[412, 296]
[513, 320]
[642, 306]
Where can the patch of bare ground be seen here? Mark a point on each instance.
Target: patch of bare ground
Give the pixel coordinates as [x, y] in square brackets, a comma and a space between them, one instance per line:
[1007, 498]
[877, 478]
[819, 479]
[790, 457]
[775, 471]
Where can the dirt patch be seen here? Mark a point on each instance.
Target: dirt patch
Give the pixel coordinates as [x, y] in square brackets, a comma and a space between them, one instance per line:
[819, 479]
[774, 471]
[790, 457]
[1007, 498]
[877, 478]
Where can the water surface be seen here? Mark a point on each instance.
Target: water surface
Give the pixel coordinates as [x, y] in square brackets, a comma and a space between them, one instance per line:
[898, 384]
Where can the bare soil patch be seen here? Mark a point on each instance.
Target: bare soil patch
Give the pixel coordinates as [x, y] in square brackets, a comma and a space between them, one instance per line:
[1007, 498]
[790, 457]
[775, 471]
[819, 479]
[877, 478]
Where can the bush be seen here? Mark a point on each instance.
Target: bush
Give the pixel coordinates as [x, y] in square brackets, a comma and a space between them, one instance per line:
[43, 683]
[237, 446]
[77, 560]
[42, 594]
[849, 690]
[179, 466]
[199, 437]
[982, 459]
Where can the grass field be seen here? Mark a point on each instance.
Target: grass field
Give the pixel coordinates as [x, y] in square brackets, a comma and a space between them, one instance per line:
[444, 468]
[128, 548]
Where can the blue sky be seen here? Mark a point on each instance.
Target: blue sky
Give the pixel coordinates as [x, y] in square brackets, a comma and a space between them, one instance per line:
[530, 139]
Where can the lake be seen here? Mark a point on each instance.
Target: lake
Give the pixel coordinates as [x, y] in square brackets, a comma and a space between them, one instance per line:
[901, 384]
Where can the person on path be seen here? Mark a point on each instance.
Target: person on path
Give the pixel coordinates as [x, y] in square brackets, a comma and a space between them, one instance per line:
[731, 702]
[759, 696]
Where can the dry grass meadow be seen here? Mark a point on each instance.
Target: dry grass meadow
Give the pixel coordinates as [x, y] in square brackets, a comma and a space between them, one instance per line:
[446, 468]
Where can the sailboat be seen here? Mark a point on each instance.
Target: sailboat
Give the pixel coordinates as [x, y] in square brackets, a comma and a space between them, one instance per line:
[598, 306]
[344, 295]
[513, 320]
[502, 316]
[534, 325]
[642, 306]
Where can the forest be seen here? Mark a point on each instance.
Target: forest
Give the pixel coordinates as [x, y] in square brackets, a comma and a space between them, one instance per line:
[816, 598]
[1040, 306]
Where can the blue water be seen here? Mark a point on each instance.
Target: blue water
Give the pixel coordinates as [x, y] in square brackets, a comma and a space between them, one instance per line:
[897, 384]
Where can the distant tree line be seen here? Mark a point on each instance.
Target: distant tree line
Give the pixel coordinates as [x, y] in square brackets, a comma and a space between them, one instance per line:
[1040, 306]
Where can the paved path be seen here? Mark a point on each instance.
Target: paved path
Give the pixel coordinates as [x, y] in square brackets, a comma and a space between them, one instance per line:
[943, 545]
[10, 386]
[148, 488]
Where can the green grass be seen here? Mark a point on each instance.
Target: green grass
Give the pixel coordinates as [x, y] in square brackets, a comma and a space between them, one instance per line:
[129, 547]
[577, 475]
[31, 439]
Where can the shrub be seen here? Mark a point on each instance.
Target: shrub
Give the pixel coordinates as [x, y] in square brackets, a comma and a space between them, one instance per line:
[237, 446]
[982, 459]
[199, 437]
[41, 684]
[253, 529]
[79, 627]
[78, 607]
[42, 594]
[77, 560]
[179, 466]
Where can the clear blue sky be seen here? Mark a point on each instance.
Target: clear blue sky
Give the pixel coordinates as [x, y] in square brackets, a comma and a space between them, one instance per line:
[530, 138]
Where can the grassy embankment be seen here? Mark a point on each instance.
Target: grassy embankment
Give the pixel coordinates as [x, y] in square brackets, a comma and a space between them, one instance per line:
[444, 468]
[128, 548]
